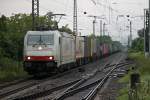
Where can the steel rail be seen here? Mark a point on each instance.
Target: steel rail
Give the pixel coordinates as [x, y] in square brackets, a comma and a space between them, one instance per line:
[43, 93]
[8, 84]
[72, 90]
[93, 92]
[120, 64]
[22, 87]
[5, 94]
[99, 82]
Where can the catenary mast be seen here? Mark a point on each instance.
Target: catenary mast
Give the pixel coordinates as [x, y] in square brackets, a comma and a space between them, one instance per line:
[35, 14]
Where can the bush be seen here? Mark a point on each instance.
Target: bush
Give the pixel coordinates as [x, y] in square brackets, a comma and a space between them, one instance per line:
[138, 44]
[10, 70]
[143, 68]
[142, 62]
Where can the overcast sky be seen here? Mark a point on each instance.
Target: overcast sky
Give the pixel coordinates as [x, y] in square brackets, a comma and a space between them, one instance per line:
[116, 28]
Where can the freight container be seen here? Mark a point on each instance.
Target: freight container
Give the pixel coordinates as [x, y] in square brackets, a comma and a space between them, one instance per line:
[87, 49]
[80, 43]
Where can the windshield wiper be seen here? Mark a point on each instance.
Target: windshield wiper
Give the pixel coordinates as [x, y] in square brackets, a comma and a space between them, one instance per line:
[43, 43]
[35, 44]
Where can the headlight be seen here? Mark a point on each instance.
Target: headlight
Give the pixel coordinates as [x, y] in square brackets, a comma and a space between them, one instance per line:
[28, 58]
[40, 48]
[51, 58]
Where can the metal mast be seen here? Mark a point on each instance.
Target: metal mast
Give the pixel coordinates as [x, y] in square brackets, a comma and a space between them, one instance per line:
[149, 26]
[146, 32]
[94, 21]
[101, 33]
[130, 34]
[35, 13]
[104, 29]
[75, 27]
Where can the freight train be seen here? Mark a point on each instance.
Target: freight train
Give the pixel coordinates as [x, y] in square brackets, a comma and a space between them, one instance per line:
[51, 51]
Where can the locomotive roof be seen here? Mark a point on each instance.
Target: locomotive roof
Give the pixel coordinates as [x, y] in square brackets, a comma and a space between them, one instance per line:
[40, 32]
[63, 34]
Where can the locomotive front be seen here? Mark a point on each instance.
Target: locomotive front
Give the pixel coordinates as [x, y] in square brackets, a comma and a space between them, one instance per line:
[39, 52]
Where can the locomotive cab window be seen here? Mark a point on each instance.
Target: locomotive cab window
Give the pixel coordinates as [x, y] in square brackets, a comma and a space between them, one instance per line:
[40, 39]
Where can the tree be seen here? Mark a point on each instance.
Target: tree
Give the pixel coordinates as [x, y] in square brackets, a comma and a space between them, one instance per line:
[65, 29]
[3, 23]
[141, 32]
[12, 31]
[138, 44]
[106, 39]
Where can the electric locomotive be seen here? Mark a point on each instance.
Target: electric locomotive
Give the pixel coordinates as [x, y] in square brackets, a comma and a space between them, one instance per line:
[48, 51]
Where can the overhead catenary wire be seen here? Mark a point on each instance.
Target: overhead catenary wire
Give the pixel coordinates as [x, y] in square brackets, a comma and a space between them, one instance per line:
[67, 5]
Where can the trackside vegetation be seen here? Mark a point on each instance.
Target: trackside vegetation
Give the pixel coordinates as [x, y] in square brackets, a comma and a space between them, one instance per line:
[143, 68]
[12, 70]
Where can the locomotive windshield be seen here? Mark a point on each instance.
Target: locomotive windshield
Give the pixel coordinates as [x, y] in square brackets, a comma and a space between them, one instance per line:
[40, 39]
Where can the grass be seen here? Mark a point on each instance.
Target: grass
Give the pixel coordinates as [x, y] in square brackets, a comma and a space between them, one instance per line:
[11, 70]
[123, 94]
[143, 68]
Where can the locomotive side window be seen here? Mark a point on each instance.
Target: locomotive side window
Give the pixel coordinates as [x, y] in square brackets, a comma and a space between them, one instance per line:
[40, 39]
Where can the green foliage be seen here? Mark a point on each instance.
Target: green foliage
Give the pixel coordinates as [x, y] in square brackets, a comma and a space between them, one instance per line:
[12, 70]
[11, 39]
[141, 32]
[143, 90]
[142, 62]
[1, 53]
[12, 31]
[138, 44]
[65, 29]
[123, 94]
[19, 23]
[3, 26]
[105, 39]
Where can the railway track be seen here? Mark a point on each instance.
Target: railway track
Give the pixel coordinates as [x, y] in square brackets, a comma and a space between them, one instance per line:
[14, 87]
[92, 87]
[11, 91]
[8, 84]
[85, 83]
[18, 85]
[69, 86]
[94, 91]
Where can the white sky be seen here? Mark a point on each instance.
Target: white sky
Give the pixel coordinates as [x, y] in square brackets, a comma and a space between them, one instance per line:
[116, 29]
